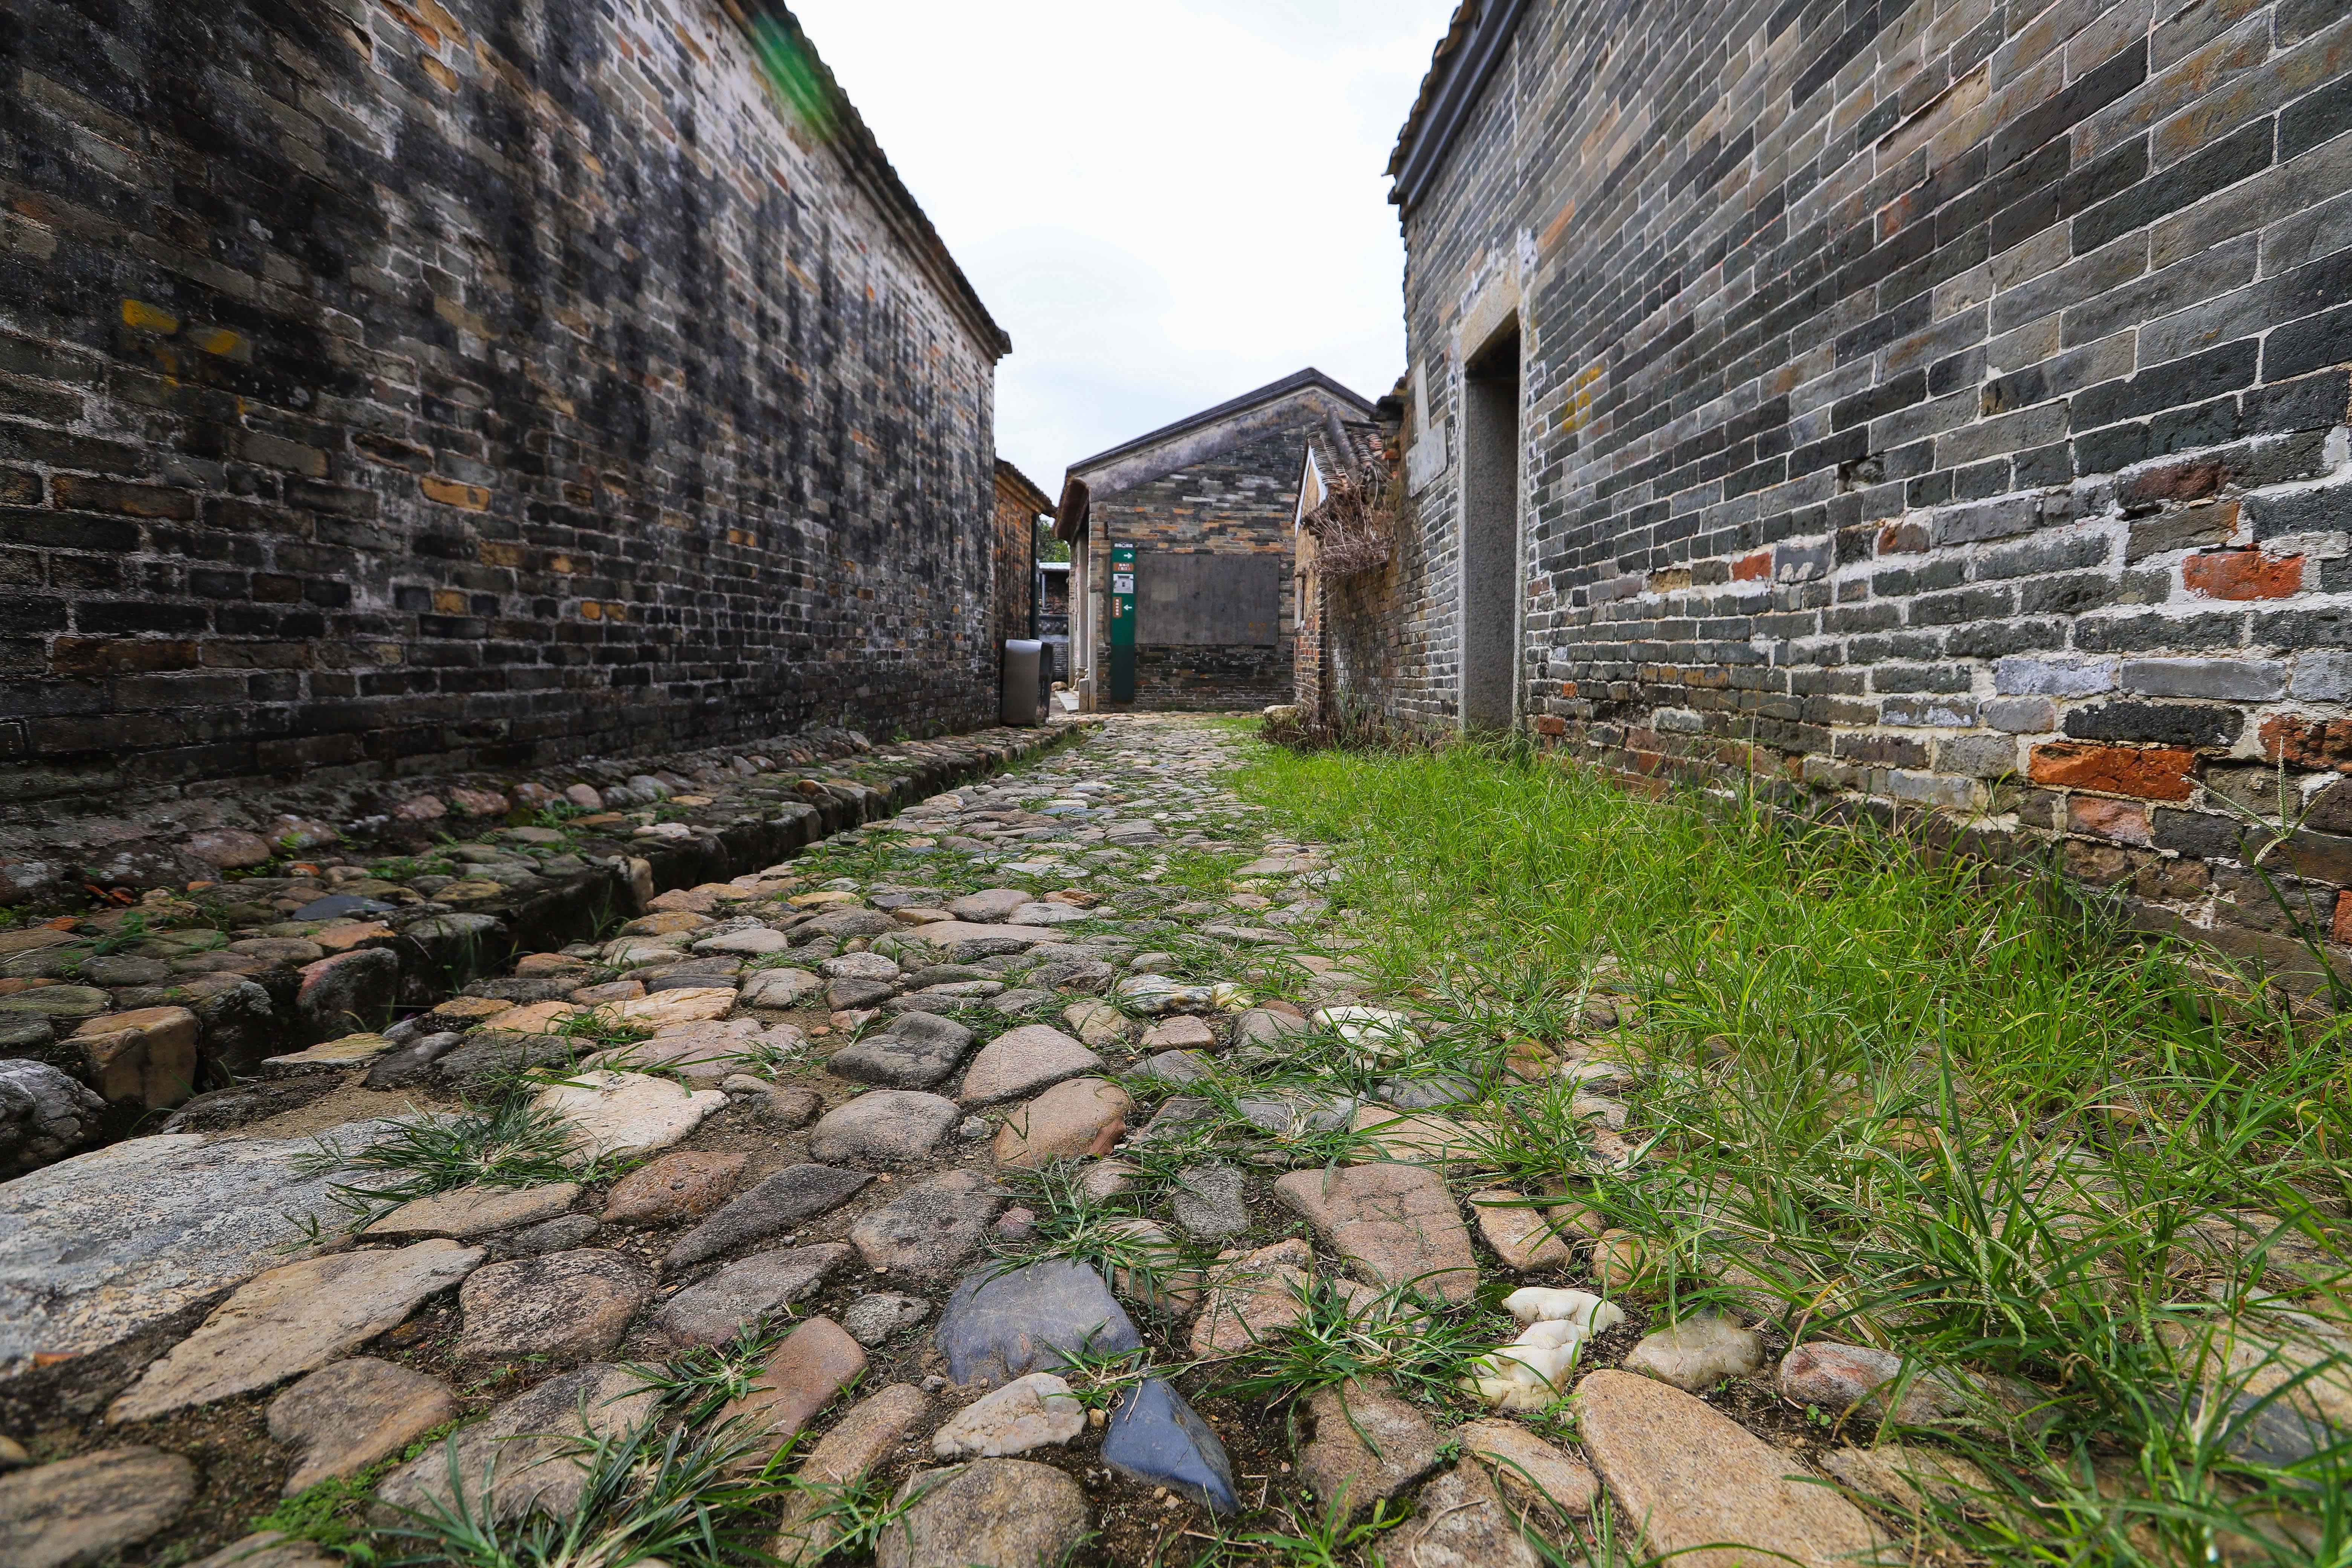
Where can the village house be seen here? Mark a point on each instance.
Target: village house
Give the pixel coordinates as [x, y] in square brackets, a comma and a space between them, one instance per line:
[1182, 547]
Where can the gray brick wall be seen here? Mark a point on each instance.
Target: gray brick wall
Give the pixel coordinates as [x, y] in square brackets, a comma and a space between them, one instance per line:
[1942, 403]
[393, 388]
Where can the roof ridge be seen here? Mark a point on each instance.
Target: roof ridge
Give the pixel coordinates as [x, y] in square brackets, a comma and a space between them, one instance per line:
[1296, 380]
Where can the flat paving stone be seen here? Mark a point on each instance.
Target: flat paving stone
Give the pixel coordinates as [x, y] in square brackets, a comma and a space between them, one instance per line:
[815, 1361]
[284, 1322]
[1208, 1204]
[1181, 1033]
[1081, 1116]
[563, 1305]
[1176, 1067]
[86, 1508]
[991, 1514]
[931, 1228]
[1000, 1326]
[1531, 1472]
[476, 1211]
[1395, 1224]
[860, 1440]
[779, 988]
[1030, 1412]
[1098, 1024]
[715, 1311]
[989, 906]
[872, 1320]
[793, 1193]
[1697, 1485]
[619, 1115]
[1459, 1522]
[351, 1414]
[99, 1246]
[1021, 1062]
[673, 1188]
[1365, 1444]
[887, 1127]
[918, 1050]
[1522, 1236]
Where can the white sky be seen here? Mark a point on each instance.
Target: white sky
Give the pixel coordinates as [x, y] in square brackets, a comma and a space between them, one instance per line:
[1166, 203]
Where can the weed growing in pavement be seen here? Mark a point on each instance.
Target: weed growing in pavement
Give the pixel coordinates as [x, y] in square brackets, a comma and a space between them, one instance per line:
[1310, 1537]
[852, 1515]
[1098, 1379]
[592, 1029]
[509, 1142]
[1349, 1333]
[696, 1383]
[686, 1499]
[1108, 1235]
[1890, 1098]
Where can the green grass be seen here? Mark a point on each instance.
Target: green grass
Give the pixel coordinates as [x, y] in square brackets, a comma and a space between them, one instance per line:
[506, 1141]
[699, 1382]
[681, 1498]
[1891, 1101]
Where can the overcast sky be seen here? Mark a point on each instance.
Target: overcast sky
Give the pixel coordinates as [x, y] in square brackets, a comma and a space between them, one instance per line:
[1166, 203]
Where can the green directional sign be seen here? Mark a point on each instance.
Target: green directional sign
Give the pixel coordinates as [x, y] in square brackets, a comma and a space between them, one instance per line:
[1122, 623]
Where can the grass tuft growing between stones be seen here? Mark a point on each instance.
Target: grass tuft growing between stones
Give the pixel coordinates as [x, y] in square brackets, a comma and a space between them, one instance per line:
[684, 1498]
[2089, 1184]
[509, 1142]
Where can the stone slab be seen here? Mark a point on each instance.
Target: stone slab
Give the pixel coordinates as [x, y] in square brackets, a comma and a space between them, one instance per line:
[96, 1248]
[1699, 1486]
[290, 1320]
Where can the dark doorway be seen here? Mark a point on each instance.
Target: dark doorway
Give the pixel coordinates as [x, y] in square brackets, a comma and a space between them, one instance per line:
[1490, 535]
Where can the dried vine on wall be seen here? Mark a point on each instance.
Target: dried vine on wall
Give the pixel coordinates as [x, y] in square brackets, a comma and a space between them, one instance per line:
[1355, 527]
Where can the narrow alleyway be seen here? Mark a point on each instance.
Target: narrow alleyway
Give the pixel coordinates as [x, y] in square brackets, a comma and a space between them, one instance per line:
[1059, 1170]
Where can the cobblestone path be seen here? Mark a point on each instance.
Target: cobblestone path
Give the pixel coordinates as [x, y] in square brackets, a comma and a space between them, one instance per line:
[1030, 1171]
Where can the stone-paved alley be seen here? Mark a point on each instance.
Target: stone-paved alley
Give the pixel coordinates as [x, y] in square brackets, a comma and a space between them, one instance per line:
[973, 1154]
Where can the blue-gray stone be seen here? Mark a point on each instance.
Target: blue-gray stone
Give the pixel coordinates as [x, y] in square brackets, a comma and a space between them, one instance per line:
[335, 906]
[1155, 1436]
[1004, 1326]
[1428, 1093]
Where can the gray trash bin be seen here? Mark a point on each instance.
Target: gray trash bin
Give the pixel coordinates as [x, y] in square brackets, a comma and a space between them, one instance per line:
[1019, 698]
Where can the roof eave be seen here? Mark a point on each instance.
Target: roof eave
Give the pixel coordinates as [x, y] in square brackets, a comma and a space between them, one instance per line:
[1458, 72]
[872, 172]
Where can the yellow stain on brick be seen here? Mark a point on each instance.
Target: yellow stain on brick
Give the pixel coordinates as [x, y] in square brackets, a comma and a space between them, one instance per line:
[494, 554]
[616, 612]
[448, 602]
[676, 519]
[590, 610]
[473, 497]
[561, 563]
[442, 76]
[142, 317]
[219, 342]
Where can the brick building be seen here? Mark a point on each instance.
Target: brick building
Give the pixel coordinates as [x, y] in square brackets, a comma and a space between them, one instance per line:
[387, 388]
[1943, 402]
[1208, 506]
[1021, 508]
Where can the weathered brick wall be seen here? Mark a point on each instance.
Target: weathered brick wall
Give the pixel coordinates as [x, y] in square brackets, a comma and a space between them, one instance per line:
[391, 387]
[1948, 400]
[1015, 546]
